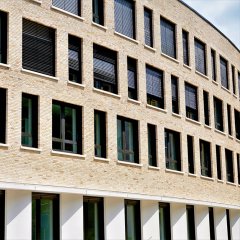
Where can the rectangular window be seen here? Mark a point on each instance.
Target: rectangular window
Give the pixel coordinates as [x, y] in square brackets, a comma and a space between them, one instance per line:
[213, 63]
[3, 37]
[66, 127]
[175, 101]
[71, 6]
[45, 216]
[2, 214]
[211, 223]
[191, 99]
[233, 80]
[127, 139]
[38, 48]
[228, 225]
[239, 84]
[93, 211]
[238, 167]
[105, 68]
[206, 107]
[29, 120]
[124, 15]
[152, 145]
[3, 111]
[200, 56]
[98, 11]
[132, 220]
[205, 158]
[154, 81]
[229, 114]
[74, 59]
[229, 165]
[185, 37]
[172, 150]
[132, 78]
[237, 123]
[168, 38]
[164, 221]
[100, 133]
[224, 72]
[219, 164]
[190, 143]
[218, 114]
[148, 32]
[190, 222]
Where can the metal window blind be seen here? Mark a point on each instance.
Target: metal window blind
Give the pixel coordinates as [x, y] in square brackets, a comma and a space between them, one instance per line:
[72, 6]
[224, 72]
[74, 53]
[185, 47]
[191, 96]
[148, 27]
[174, 85]
[124, 14]
[168, 44]
[200, 58]
[38, 48]
[213, 65]
[132, 73]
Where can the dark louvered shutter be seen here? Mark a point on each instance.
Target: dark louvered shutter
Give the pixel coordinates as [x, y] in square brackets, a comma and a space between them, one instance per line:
[74, 53]
[224, 72]
[168, 41]
[200, 58]
[148, 27]
[124, 11]
[185, 47]
[132, 74]
[72, 6]
[213, 63]
[191, 97]
[3, 37]
[154, 82]
[38, 48]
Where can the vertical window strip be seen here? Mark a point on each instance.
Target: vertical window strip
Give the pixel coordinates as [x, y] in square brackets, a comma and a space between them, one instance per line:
[185, 47]
[206, 107]
[233, 80]
[152, 145]
[239, 84]
[218, 114]
[2, 214]
[72, 6]
[205, 158]
[229, 165]
[200, 56]
[228, 224]
[219, 164]
[238, 167]
[237, 123]
[191, 101]
[148, 27]
[211, 223]
[132, 78]
[190, 143]
[3, 37]
[98, 11]
[190, 222]
[165, 221]
[224, 72]
[3, 109]
[174, 88]
[213, 63]
[229, 115]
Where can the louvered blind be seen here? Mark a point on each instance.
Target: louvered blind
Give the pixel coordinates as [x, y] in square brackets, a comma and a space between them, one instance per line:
[185, 47]
[224, 72]
[124, 14]
[168, 44]
[132, 73]
[38, 48]
[154, 82]
[200, 58]
[174, 89]
[74, 53]
[72, 6]
[148, 27]
[191, 96]
[213, 62]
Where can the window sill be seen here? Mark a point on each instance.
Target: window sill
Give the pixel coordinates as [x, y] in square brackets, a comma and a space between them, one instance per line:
[126, 37]
[238, 140]
[231, 183]
[106, 93]
[3, 145]
[154, 168]
[215, 82]
[193, 121]
[188, 67]
[202, 75]
[218, 131]
[225, 89]
[6, 66]
[133, 101]
[67, 13]
[177, 115]
[234, 95]
[220, 181]
[99, 26]
[230, 136]
[192, 175]
[30, 149]
[37, 1]
[65, 154]
[99, 159]
[79, 85]
[170, 58]
[150, 48]
[129, 164]
[174, 171]
[156, 108]
[207, 126]
[207, 178]
[39, 74]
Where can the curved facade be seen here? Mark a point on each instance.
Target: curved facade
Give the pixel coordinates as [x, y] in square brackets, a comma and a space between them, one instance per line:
[130, 107]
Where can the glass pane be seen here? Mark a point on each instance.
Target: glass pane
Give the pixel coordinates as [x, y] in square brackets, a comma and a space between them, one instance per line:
[119, 139]
[34, 226]
[98, 149]
[131, 233]
[129, 141]
[56, 121]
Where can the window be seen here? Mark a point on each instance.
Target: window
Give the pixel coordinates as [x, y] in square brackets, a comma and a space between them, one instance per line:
[239, 83]
[132, 220]
[213, 63]
[175, 103]
[164, 221]
[29, 120]
[190, 222]
[191, 101]
[66, 127]
[238, 167]
[218, 114]
[127, 139]
[172, 150]
[105, 68]
[219, 164]
[154, 81]
[2, 214]
[205, 158]
[45, 216]
[3, 37]
[237, 123]
[71, 6]
[148, 27]
[124, 11]
[74, 59]
[100, 133]
[206, 107]
[229, 114]
[93, 218]
[3, 107]
[185, 36]
[233, 80]
[200, 56]
[211, 223]
[224, 72]
[98, 11]
[132, 78]
[152, 145]
[168, 38]
[190, 143]
[228, 225]
[229, 165]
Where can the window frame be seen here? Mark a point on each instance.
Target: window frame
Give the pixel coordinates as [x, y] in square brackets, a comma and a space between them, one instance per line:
[4, 37]
[185, 44]
[98, 13]
[150, 30]
[224, 61]
[3, 115]
[213, 65]
[175, 99]
[229, 119]
[190, 212]
[166, 212]
[206, 163]
[197, 44]
[132, 66]
[237, 125]
[218, 119]
[219, 162]
[229, 165]
[191, 154]
[233, 80]
[152, 145]
[192, 113]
